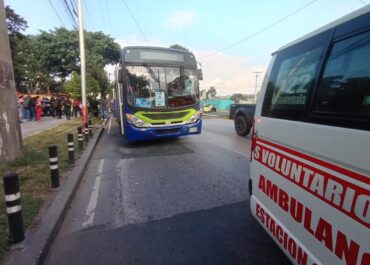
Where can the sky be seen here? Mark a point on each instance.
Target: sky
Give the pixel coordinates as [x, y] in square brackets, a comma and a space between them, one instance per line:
[231, 39]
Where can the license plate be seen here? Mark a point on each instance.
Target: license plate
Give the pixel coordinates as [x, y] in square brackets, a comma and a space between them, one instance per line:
[194, 129]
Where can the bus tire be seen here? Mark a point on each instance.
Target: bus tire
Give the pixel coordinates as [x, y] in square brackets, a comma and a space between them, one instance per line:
[241, 126]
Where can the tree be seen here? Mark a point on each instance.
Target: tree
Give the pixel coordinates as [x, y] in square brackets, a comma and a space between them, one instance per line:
[58, 54]
[19, 45]
[15, 23]
[10, 131]
[44, 61]
[211, 93]
[73, 86]
[237, 97]
[179, 47]
[56, 51]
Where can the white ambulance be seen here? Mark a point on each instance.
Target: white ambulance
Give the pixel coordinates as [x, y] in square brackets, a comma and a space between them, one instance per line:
[310, 162]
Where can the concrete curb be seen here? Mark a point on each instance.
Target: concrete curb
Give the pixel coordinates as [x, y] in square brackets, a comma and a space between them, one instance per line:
[34, 249]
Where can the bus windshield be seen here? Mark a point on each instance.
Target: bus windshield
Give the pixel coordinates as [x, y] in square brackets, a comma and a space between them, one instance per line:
[161, 87]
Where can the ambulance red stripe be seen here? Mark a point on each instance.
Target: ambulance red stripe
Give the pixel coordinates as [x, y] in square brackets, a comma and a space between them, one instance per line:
[344, 171]
[346, 201]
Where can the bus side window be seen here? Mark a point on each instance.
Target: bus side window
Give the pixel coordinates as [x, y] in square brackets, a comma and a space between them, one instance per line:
[344, 89]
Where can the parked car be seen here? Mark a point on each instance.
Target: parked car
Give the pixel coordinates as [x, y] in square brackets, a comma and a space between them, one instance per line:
[242, 114]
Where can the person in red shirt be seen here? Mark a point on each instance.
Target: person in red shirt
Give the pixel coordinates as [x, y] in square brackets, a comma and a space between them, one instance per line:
[38, 108]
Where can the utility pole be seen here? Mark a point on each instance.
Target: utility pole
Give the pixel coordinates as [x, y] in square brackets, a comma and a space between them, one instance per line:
[83, 63]
[10, 129]
[255, 88]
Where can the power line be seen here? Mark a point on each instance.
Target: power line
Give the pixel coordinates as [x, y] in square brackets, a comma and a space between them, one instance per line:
[137, 24]
[261, 30]
[70, 13]
[363, 2]
[60, 19]
[73, 8]
[89, 14]
[103, 16]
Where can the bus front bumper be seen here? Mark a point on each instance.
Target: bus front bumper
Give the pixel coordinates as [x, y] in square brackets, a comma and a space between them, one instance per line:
[139, 134]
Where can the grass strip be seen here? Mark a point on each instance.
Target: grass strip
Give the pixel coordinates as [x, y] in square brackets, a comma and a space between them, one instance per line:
[34, 172]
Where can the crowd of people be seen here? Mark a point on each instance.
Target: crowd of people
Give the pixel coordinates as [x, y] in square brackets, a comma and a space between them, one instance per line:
[34, 108]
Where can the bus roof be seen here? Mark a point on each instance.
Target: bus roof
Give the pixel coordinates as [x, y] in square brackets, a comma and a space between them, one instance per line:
[337, 22]
[158, 55]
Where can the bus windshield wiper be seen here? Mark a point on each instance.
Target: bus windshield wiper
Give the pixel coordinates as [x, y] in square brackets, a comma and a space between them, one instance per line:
[151, 72]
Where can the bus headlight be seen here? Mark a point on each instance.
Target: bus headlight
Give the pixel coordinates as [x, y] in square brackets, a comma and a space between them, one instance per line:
[131, 119]
[197, 115]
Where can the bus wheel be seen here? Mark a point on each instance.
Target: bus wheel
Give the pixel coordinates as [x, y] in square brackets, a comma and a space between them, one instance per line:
[241, 126]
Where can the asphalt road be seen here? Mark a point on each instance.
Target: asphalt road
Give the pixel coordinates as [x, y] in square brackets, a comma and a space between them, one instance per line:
[175, 202]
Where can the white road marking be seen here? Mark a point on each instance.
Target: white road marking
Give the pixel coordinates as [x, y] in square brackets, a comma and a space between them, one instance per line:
[90, 211]
[110, 123]
[100, 168]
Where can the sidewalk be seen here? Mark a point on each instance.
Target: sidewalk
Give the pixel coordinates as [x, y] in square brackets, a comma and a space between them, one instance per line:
[33, 127]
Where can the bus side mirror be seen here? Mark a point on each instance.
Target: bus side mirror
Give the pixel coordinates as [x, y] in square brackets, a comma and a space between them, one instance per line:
[200, 74]
[119, 75]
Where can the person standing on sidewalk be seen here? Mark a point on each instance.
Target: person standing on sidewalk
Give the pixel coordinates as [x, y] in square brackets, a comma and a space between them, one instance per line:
[26, 108]
[38, 108]
[57, 106]
[67, 108]
[32, 108]
[52, 109]
[76, 107]
[20, 101]
[103, 107]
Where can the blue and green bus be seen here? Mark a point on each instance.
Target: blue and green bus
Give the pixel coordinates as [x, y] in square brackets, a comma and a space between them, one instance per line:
[158, 93]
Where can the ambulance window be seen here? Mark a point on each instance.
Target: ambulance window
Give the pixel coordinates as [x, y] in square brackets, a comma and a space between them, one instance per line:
[288, 91]
[344, 88]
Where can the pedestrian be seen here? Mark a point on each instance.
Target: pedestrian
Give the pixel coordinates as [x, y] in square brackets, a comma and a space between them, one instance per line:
[57, 106]
[38, 108]
[67, 108]
[32, 108]
[26, 108]
[20, 101]
[51, 108]
[103, 108]
[76, 107]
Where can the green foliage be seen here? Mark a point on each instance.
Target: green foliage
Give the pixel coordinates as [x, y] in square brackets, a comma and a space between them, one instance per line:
[211, 93]
[15, 23]
[57, 51]
[34, 174]
[73, 86]
[239, 98]
[18, 43]
[44, 61]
